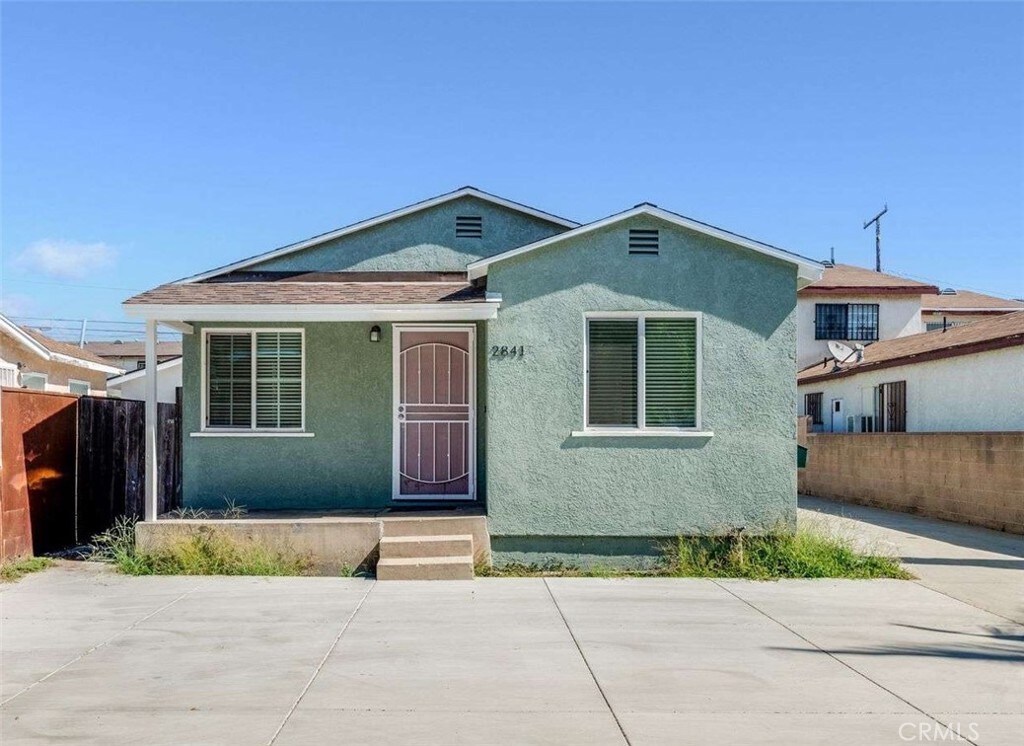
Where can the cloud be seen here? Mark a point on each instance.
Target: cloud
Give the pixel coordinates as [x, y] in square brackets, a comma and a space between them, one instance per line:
[66, 260]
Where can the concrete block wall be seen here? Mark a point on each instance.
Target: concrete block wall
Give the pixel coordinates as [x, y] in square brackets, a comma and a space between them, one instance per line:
[975, 478]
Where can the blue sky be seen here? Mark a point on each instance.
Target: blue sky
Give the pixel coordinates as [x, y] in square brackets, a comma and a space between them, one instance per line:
[145, 142]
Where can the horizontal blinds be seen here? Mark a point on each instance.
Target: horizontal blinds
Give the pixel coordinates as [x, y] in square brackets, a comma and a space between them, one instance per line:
[279, 380]
[612, 371]
[670, 372]
[229, 375]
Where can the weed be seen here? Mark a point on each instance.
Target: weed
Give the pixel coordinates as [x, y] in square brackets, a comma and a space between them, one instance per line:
[231, 510]
[16, 569]
[188, 514]
[206, 551]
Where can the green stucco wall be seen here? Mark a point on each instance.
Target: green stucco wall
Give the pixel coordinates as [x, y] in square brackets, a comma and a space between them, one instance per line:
[422, 241]
[543, 482]
[347, 462]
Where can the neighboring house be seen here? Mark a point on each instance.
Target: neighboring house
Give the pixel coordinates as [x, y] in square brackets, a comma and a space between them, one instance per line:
[968, 378]
[132, 385]
[130, 355]
[854, 306]
[588, 386]
[958, 307]
[29, 359]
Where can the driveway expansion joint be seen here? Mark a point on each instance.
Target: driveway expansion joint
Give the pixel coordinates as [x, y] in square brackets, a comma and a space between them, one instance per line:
[593, 676]
[837, 659]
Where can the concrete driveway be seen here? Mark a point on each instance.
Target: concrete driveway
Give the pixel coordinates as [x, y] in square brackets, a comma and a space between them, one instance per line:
[90, 657]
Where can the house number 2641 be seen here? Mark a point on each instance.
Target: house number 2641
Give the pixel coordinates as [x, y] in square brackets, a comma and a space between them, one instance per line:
[507, 351]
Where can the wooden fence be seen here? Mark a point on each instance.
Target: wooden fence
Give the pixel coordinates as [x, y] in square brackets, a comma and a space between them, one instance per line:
[71, 466]
[112, 465]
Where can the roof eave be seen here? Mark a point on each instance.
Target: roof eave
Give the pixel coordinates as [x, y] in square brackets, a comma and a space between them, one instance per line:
[237, 312]
[378, 220]
[808, 270]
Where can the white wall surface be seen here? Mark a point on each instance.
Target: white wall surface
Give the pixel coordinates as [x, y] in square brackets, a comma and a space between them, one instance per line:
[898, 316]
[983, 391]
[168, 379]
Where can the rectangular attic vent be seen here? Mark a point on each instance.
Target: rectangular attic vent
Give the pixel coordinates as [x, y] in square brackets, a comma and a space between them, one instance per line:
[643, 241]
[469, 226]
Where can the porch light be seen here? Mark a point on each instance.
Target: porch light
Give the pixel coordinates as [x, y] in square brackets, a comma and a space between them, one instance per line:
[375, 334]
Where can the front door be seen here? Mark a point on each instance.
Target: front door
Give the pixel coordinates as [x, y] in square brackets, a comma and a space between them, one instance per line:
[838, 421]
[434, 401]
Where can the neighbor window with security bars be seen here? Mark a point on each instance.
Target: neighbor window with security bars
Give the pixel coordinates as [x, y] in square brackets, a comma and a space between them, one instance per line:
[856, 322]
[642, 372]
[812, 407]
[254, 380]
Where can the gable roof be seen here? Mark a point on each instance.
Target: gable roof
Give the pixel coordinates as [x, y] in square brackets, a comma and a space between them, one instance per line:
[132, 348]
[990, 334]
[961, 301]
[466, 191]
[846, 279]
[131, 375]
[808, 269]
[53, 350]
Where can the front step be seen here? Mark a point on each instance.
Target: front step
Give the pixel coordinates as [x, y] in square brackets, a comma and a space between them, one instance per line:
[410, 547]
[426, 568]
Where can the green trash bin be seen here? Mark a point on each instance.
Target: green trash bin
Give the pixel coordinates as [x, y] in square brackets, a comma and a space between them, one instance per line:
[801, 456]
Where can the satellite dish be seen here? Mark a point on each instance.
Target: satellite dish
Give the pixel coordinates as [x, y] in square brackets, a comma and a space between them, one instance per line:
[840, 352]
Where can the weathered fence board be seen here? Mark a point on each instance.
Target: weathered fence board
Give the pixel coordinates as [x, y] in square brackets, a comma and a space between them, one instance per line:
[111, 461]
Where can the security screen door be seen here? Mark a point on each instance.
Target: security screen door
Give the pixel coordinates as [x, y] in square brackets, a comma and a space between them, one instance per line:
[434, 413]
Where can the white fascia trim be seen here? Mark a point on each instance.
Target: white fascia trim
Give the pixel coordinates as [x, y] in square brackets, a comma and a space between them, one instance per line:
[87, 364]
[165, 365]
[19, 335]
[386, 217]
[9, 327]
[807, 269]
[955, 311]
[318, 312]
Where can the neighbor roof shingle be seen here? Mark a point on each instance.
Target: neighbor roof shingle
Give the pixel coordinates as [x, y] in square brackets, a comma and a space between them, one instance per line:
[850, 280]
[965, 299]
[1002, 331]
[310, 293]
[63, 348]
[131, 348]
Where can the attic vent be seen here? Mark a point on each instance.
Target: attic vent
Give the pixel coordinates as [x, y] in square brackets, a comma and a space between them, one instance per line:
[643, 241]
[469, 226]
[947, 291]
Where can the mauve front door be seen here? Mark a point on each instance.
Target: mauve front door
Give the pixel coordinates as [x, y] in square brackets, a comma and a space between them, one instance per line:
[434, 413]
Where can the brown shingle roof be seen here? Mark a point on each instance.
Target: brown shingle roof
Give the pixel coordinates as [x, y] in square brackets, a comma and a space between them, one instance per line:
[965, 299]
[846, 279]
[305, 293]
[63, 348]
[1003, 331]
[131, 348]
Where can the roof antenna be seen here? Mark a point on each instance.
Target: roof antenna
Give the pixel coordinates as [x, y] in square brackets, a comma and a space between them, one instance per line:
[877, 220]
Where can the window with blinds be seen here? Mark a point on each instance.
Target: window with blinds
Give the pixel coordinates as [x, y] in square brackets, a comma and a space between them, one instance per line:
[642, 372]
[254, 380]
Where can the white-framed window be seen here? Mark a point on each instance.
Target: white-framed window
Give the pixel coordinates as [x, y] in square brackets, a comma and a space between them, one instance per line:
[642, 372]
[78, 388]
[34, 381]
[253, 380]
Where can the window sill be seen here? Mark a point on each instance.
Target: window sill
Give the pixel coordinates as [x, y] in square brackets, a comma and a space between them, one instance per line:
[597, 433]
[249, 434]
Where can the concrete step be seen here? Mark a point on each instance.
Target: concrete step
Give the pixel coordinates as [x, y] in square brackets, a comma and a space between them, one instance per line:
[426, 568]
[432, 524]
[407, 547]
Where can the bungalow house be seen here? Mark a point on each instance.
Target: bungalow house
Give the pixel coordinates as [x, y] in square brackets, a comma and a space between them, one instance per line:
[31, 360]
[585, 387]
[966, 378]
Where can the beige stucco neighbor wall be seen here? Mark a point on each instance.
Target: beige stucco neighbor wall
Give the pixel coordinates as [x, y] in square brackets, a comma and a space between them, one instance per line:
[898, 316]
[973, 478]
